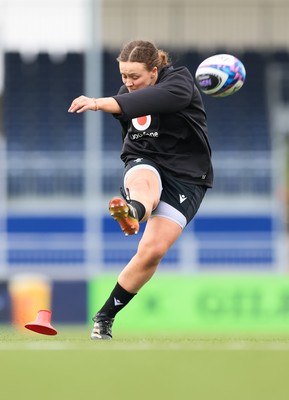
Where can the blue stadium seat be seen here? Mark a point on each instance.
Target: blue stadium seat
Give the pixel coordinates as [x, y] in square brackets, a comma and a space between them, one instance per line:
[38, 120]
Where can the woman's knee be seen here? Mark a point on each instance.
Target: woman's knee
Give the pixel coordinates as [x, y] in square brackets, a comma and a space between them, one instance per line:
[152, 251]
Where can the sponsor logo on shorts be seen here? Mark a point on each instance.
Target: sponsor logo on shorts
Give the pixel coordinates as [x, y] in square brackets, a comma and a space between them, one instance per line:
[137, 160]
[182, 198]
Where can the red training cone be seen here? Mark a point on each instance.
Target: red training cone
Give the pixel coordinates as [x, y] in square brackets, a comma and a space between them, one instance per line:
[42, 323]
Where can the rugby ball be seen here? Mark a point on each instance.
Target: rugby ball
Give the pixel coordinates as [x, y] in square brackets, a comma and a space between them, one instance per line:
[220, 75]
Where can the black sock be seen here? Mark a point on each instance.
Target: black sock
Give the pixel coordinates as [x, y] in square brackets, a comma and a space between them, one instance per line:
[140, 208]
[117, 300]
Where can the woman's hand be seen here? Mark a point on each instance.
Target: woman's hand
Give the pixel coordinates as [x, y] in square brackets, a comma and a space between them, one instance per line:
[83, 103]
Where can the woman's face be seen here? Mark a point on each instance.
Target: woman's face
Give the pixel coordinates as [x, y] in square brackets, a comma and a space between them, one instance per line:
[135, 75]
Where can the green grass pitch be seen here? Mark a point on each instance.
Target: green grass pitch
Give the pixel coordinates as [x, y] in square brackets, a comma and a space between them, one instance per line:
[70, 366]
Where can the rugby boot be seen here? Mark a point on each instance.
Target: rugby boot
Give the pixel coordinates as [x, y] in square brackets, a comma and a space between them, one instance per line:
[102, 327]
[125, 214]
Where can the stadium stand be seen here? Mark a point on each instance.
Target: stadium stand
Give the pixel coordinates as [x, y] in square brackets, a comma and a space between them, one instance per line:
[43, 89]
[37, 95]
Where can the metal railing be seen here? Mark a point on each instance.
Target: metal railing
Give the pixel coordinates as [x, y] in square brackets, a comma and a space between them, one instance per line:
[58, 174]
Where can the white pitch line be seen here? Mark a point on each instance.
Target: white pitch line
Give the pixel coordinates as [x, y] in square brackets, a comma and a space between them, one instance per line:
[145, 346]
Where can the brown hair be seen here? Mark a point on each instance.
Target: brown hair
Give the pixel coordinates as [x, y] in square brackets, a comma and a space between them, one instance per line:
[146, 53]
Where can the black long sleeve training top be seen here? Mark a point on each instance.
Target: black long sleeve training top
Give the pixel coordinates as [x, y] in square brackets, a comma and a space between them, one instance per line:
[167, 123]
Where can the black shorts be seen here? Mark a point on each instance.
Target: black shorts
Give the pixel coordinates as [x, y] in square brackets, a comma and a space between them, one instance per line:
[179, 200]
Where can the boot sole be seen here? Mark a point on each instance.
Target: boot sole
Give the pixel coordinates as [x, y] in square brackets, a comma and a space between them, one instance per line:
[120, 212]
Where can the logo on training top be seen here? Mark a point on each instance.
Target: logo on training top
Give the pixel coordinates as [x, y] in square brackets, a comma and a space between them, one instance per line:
[142, 123]
[144, 127]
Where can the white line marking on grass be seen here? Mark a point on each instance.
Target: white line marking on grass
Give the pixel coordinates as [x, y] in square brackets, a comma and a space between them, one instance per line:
[146, 346]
